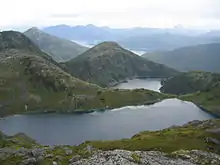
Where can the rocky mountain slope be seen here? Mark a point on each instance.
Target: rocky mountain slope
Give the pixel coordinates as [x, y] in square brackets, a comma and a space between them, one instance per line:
[195, 143]
[108, 63]
[201, 57]
[59, 49]
[31, 81]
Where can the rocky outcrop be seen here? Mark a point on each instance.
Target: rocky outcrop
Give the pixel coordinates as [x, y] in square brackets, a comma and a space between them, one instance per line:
[115, 157]
[121, 157]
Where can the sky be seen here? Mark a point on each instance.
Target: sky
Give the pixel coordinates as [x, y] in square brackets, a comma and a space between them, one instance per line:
[199, 14]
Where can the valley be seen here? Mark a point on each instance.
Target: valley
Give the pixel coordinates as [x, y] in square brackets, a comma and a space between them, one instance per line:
[80, 103]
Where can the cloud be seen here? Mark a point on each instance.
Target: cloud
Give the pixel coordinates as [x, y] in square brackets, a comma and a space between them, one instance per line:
[115, 13]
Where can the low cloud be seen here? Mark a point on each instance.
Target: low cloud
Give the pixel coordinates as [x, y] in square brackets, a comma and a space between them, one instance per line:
[115, 13]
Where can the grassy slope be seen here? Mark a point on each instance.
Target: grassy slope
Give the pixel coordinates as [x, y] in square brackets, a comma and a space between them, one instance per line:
[202, 57]
[108, 63]
[168, 140]
[209, 100]
[59, 49]
[190, 82]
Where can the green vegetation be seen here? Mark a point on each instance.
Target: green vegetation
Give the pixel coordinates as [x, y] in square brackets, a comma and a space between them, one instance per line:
[202, 57]
[30, 81]
[59, 49]
[107, 64]
[136, 158]
[208, 100]
[201, 88]
[189, 137]
[190, 82]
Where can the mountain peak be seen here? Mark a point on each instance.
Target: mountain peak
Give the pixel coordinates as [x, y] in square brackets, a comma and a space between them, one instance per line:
[15, 40]
[34, 30]
[106, 48]
[109, 44]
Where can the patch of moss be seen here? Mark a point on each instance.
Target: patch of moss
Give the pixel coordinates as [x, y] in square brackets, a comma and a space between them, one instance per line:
[136, 158]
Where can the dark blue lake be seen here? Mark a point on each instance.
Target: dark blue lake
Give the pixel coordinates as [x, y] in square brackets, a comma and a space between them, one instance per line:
[108, 125]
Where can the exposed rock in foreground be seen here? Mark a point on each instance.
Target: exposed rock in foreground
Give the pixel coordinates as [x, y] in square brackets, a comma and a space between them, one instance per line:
[122, 157]
[40, 156]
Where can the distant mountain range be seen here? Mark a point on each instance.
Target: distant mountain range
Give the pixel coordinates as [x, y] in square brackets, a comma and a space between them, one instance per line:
[59, 49]
[108, 63]
[145, 39]
[205, 57]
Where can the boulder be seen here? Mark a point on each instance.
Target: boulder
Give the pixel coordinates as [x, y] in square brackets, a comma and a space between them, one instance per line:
[29, 161]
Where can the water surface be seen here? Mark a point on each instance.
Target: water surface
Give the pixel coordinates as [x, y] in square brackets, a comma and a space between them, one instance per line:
[148, 83]
[109, 125]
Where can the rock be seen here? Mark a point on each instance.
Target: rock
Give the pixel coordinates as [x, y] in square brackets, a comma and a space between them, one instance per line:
[55, 163]
[199, 157]
[75, 158]
[192, 123]
[213, 140]
[215, 131]
[6, 152]
[122, 157]
[29, 161]
[40, 158]
[68, 152]
[49, 156]
[22, 152]
[59, 158]
[37, 152]
[89, 148]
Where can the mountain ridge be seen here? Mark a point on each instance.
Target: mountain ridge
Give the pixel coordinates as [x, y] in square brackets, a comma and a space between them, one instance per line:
[108, 63]
[59, 49]
[204, 57]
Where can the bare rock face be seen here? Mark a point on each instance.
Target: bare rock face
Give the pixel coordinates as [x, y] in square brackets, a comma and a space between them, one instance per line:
[121, 157]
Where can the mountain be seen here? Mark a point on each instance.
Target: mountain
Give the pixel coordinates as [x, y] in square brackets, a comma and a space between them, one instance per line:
[163, 41]
[205, 57]
[190, 82]
[201, 88]
[145, 39]
[59, 49]
[89, 33]
[108, 63]
[31, 81]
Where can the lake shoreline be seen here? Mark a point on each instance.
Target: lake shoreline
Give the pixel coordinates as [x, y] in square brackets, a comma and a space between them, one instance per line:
[88, 111]
[66, 128]
[207, 111]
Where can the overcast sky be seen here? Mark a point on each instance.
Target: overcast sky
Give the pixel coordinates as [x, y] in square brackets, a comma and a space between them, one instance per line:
[114, 13]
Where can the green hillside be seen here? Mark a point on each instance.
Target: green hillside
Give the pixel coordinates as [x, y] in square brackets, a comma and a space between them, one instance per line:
[204, 57]
[31, 81]
[59, 49]
[201, 88]
[107, 64]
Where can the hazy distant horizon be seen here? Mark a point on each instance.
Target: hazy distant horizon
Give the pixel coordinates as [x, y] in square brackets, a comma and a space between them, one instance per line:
[177, 27]
[196, 14]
